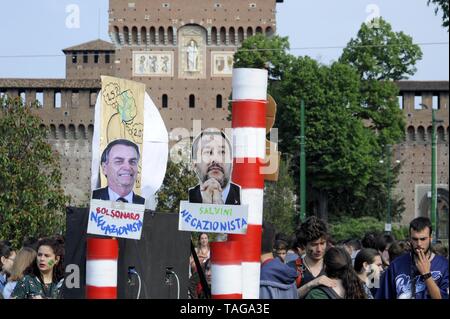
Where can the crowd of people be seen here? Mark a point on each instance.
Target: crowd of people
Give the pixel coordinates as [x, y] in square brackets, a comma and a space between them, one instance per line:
[312, 265]
[35, 271]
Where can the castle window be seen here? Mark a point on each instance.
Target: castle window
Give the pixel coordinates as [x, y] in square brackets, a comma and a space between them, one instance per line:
[192, 101]
[96, 57]
[418, 101]
[57, 102]
[400, 101]
[85, 57]
[219, 101]
[22, 96]
[107, 58]
[40, 98]
[214, 35]
[435, 102]
[74, 58]
[165, 101]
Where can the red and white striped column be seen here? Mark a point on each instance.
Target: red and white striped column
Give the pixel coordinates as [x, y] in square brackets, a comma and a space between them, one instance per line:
[249, 149]
[226, 270]
[101, 268]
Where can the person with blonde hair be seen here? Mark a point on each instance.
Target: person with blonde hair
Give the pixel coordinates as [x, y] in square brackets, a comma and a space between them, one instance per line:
[24, 258]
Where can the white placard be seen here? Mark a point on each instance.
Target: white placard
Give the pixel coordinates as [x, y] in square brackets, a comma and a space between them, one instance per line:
[209, 218]
[115, 219]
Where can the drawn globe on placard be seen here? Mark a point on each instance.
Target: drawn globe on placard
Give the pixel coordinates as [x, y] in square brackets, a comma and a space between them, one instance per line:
[126, 106]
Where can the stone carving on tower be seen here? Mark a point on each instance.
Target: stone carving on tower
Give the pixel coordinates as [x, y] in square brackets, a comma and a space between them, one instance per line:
[192, 52]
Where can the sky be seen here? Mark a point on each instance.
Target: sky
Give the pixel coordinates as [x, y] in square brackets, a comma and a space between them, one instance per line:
[34, 32]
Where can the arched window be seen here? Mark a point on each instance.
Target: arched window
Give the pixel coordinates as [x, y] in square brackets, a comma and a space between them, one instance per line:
[219, 101]
[161, 35]
[214, 36]
[440, 134]
[144, 36]
[134, 36]
[116, 36]
[126, 35]
[223, 36]
[152, 35]
[411, 134]
[269, 31]
[192, 101]
[170, 35]
[259, 30]
[62, 131]
[421, 134]
[72, 135]
[249, 32]
[52, 131]
[232, 36]
[81, 131]
[240, 35]
[165, 101]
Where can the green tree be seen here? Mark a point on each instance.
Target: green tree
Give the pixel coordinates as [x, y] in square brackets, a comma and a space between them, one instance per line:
[279, 200]
[32, 202]
[443, 4]
[179, 178]
[380, 57]
[378, 53]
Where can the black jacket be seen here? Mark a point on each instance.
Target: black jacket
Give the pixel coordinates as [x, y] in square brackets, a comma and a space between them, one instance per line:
[233, 198]
[102, 193]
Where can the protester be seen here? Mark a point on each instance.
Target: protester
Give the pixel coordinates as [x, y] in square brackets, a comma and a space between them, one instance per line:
[338, 266]
[353, 247]
[397, 249]
[44, 278]
[196, 290]
[202, 250]
[280, 250]
[313, 236]
[421, 274]
[368, 266]
[24, 259]
[277, 280]
[7, 256]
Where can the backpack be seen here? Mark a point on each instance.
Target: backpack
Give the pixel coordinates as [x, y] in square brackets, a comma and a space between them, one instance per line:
[299, 267]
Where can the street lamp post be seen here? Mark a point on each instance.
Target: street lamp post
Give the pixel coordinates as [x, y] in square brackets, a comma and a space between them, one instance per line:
[433, 172]
[388, 225]
[302, 163]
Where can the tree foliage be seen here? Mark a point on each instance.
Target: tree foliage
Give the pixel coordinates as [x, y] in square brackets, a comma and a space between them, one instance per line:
[344, 141]
[279, 200]
[179, 178]
[378, 53]
[443, 5]
[32, 202]
[348, 228]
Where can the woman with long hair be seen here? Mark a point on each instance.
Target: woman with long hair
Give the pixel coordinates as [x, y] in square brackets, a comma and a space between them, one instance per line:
[44, 278]
[202, 250]
[338, 266]
[24, 259]
[368, 266]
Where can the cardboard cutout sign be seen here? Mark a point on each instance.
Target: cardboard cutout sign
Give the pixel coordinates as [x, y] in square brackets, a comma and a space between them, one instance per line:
[227, 219]
[115, 219]
[126, 121]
